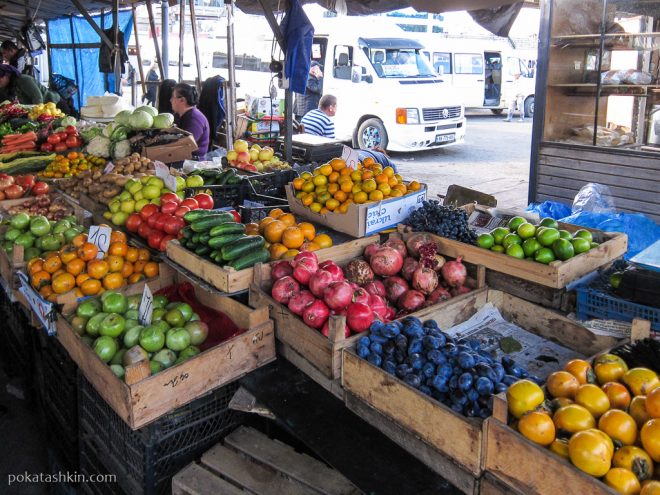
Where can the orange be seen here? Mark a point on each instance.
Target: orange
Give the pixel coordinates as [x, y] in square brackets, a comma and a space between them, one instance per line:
[132, 254]
[63, 283]
[118, 249]
[368, 161]
[127, 270]
[382, 179]
[307, 200]
[118, 236]
[87, 251]
[75, 267]
[323, 240]
[264, 222]
[414, 186]
[275, 213]
[113, 281]
[345, 171]
[376, 195]
[653, 403]
[288, 219]
[135, 278]
[277, 250]
[333, 188]
[308, 230]
[326, 169]
[337, 164]
[67, 253]
[41, 278]
[392, 182]
[324, 211]
[98, 269]
[400, 187]
[79, 240]
[138, 266]
[385, 188]
[151, 269]
[90, 287]
[46, 291]
[80, 279]
[340, 196]
[333, 177]
[51, 265]
[274, 230]
[115, 263]
[389, 171]
[395, 193]
[293, 237]
[143, 254]
[297, 183]
[367, 174]
[347, 186]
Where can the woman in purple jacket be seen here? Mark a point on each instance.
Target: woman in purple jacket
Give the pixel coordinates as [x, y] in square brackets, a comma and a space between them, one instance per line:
[187, 117]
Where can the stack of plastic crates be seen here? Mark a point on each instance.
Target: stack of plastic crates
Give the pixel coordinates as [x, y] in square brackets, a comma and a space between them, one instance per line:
[145, 460]
[17, 353]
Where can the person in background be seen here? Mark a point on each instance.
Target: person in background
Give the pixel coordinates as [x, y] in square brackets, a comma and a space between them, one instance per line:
[517, 99]
[318, 121]
[13, 55]
[165, 89]
[310, 100]
[24, 88]
[152, 86]
[187, 117]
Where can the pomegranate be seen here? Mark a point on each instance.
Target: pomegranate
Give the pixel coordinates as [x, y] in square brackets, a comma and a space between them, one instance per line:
[300, 301]
[316, 314]
[397, 244]
[409, 266]
[438, 295]
[411, 300]
[280, 269]
[454, 273]
[375, 287]
[390, 313]
[354, 286]
[319, 281]
[361, 296]
[359, 317]
[302, 274]
[378, 306]
[394, 288]
[334, 269]
[425, 280]
[457, 291]
[326, 330]
[359, 271]
[14, 191]
[386, 262]
[416, 241]
[370, 250]
[338, 295]
[284, 289]
[307, 259]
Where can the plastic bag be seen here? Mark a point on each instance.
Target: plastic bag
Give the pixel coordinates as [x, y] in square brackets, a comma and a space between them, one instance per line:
[595, 198]
[550, 209]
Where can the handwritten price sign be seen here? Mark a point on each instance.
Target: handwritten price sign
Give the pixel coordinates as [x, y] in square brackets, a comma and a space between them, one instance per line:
[100, 237]
[163, 173]
[43, 309]
[146, 308]
[351, 157]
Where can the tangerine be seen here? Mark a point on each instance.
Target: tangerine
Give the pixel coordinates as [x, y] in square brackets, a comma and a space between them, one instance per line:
[75, 267]
[87, 251]
[274, 230]
[293, 237]
[277, 250]
[275, 213]
[308, 230]
[323, 241]
[113, 281]
[118, 249]
[63, 283]
[151, 269]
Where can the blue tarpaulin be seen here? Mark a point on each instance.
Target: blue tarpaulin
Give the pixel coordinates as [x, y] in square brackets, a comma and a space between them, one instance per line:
[90, 81]
[298, 34]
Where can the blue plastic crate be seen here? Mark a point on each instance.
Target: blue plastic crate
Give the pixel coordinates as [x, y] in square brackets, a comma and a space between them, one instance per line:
[593, 303]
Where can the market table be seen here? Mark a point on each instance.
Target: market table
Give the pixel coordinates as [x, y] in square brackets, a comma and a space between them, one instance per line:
[319, 420]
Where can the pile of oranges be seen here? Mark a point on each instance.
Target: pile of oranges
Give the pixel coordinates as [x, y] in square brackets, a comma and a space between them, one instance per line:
[76, 267]
[334, 186]
[285, 237]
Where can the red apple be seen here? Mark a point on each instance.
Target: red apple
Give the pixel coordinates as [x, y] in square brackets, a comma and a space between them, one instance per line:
[164, 241]
[144, 230]
[244, 157]
[133, 222]
[154, 239]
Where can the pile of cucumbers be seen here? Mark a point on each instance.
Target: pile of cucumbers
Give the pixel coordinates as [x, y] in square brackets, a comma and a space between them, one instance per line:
[218, 177]
[219, 238]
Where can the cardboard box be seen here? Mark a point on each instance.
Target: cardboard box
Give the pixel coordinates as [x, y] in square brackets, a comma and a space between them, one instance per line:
[258, 107]
[173, 152]
[265, 126]
[364, 219]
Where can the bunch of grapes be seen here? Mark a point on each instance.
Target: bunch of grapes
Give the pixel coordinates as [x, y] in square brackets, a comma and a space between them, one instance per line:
[445, 221]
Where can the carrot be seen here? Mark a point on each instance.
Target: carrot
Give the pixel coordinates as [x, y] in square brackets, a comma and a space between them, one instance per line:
[19, 138]
[18, 147]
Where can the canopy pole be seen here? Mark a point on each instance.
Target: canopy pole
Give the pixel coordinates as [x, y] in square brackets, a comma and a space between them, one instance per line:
[139, 52]
[75, 58]
[193, 23]
[115, 22]
[152, 27]
[95, 27]
[230, 124]
[182, 31]
[165, 33]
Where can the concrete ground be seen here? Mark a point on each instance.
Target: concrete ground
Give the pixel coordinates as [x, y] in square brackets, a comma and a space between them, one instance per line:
[494, 159]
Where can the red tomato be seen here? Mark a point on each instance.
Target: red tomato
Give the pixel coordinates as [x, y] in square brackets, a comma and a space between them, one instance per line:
[161, 220]
[164, 241]
[151, 221]
[237, 215]
[169, 207]
[53, 139]
[72, 142]
[144, 230]
[40, 188]
[133, 222]
[204, 201]
[60, 147]
[154, 239]
[190, 203]
[46, 147]
[148, 211]
[173, 225]
[170, 196]
[71, 129]
[62, 135]
[181, 210]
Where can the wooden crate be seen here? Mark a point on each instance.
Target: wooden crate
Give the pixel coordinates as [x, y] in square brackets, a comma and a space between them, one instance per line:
[141, 402]
[229, 280]
[556, 275]
[515, 461]
[453, 435]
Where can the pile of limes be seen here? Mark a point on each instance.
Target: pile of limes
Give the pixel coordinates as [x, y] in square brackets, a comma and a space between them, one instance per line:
[334, 186]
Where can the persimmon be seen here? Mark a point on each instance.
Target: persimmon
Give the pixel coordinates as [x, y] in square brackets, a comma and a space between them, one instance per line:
[75, 267]
[63, 283]
[41, 278]
[88, 251]
[46, 291]
[116, 263]
[277, 250]
[90, 287]
[151, 269]
[135, 278]
[118, 236]
[35, 265]
[79, 240]
[143, 254]
[98, 269]
[127, 270]
[308, 230]
[68, 252]
[58, 272]
[118, 249]
[79, 293]
[80, 279]
[113, 281]
[132, 254]
[52, 264]
[138, 266]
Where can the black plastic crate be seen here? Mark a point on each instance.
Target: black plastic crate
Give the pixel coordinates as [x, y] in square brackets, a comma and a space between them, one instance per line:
[61, 484]
[227, 195]
[146, 459]
[251, 213]
[90, 468]
[17, 347]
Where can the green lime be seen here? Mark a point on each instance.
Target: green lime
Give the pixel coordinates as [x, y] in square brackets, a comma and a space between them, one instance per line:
[516, 222]
[530, 246]
[545, 256]
[581, 245]
[516, 251]
[594, 245]
[583, 234]
[511, 239]
[563, 249]
[549, 222]
[526, 230]
[497, 248]
[499, 234]
[485, 241]
[565, 234]
[547, 236]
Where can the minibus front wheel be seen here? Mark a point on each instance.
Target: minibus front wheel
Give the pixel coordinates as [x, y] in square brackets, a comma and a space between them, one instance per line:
[372, 134]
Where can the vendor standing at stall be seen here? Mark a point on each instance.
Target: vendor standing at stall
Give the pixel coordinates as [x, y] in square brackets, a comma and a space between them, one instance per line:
[187, 117]
[24, 88]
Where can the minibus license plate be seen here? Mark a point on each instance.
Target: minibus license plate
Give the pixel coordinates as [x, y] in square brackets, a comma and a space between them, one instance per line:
[445, 138]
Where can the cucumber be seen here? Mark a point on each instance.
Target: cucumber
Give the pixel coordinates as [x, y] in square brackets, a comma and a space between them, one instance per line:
[195, 238]
[210, 221]
[204, 238]
[202, 250]
[221, 178]
[187, 232]
[250, 259]
[242, 246]
[194, 215]
[222, 240]
[227, 228]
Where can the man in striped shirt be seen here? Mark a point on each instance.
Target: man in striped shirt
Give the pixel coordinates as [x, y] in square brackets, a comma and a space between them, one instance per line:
[318, 121]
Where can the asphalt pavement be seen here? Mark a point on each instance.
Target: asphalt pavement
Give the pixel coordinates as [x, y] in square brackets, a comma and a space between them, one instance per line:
[494, 159]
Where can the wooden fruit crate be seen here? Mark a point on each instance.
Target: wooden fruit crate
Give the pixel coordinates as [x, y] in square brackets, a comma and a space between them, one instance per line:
[514, 460]
[556, 275]
[453, 443]
[149, 397]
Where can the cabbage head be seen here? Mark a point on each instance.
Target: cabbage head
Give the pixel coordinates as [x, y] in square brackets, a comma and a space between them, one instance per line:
[163, 120]
[122, 117]
[68, 120]
[147, 108]
[140, 120]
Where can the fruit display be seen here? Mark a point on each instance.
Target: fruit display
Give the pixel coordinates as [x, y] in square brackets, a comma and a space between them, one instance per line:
[254, 158]
[19, 142]
[75, 266]
[602, 416]
[71, 165]
[332, 187]
[52, 207]
[45, 111]
[37, 234]
[219, 237]
[445, 221]
[543, 243]
[24, 162]
[109, 324]
[383, 285]
[457, 373]
[14, 187]
[63, 140]
[9, 110]
[160, 224]
[286, 237]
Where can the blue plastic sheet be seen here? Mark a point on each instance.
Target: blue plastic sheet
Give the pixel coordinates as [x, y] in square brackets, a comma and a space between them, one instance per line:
[550, 209]
[298, 34]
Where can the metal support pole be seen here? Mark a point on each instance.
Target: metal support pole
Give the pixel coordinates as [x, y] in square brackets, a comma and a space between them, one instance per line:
[230, 100]
[152, 26]
[49, 54]
[182, 32]
[139, 52]
[117, 50]
[193, 23]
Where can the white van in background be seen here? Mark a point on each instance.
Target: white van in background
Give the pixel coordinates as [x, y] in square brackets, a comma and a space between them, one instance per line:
[482, 73]
[388, 94]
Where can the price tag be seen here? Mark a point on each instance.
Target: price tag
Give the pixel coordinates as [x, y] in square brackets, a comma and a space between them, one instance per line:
[163, 173]
[44, 310]
[109, 168]
[386, 215]
[100, 237]
[146, 307]
[351, 157]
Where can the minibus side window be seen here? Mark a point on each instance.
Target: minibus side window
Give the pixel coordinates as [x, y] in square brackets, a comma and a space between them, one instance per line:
[442, 62]
[468, 63]
[343, 61]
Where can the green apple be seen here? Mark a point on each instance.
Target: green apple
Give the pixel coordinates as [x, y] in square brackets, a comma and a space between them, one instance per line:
[144, 179]
[107, 215]
[151, 191]
[194, 181]
[180, 183]
[156, 201]
[119, 218]
[115, 205]
[125, 195]
[133, 188]
[139, 204]
[128, 206]
[138, 195]
[155, 181]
